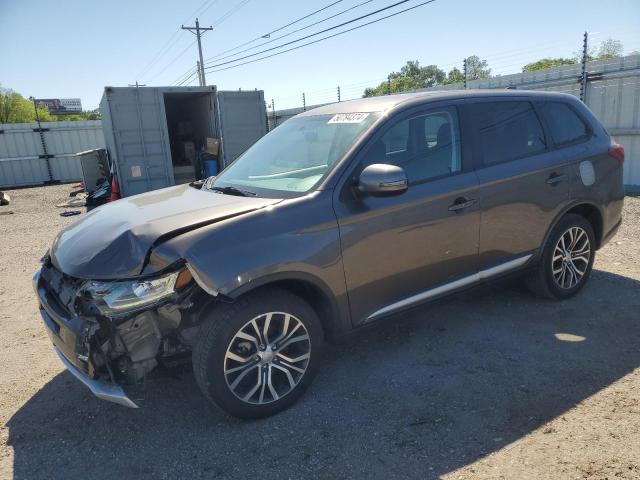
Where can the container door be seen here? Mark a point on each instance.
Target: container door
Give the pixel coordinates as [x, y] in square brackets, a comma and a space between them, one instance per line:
[142, 155]
[242, 120]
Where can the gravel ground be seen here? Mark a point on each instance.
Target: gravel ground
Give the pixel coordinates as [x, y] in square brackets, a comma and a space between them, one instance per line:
[492, 383]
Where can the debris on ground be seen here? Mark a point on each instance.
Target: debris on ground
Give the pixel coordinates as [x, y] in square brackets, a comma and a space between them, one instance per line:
[79, 201]
[70, 213]
[476, 387]
[5, 199]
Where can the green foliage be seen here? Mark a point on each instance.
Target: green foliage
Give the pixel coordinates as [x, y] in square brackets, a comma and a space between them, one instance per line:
[91, 115]
[79, 117]
[410, 77]
[609, 48]
[454, 76]
[414, 77]
[69, 118]
[14, 108]
[547, 63]
[477, 68]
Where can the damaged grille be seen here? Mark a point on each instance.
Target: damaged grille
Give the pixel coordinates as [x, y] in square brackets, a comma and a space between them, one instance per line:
[63, 288]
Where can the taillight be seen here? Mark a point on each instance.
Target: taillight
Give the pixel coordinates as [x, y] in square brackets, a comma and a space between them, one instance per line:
[617, 151]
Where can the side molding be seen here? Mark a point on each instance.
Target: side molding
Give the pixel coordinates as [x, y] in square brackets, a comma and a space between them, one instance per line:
[448, 287]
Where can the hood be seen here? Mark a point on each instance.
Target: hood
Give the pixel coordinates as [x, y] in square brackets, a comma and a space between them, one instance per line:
[114, 240]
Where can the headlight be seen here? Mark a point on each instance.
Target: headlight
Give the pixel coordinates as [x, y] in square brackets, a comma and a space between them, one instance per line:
[113, 298]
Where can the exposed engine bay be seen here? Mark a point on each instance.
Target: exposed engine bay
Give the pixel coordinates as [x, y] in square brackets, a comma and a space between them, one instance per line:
[124, 347]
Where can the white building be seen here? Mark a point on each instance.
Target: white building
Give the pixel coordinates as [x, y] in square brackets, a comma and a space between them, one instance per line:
[71, 104]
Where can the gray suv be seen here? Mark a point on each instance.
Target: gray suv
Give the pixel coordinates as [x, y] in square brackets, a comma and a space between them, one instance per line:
[338, 218]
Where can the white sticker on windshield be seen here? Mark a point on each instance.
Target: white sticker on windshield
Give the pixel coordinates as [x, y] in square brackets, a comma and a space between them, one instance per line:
[348, 117]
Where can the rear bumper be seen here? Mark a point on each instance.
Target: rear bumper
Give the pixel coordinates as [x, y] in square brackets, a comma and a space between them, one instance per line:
[610, 234]
[63, 333]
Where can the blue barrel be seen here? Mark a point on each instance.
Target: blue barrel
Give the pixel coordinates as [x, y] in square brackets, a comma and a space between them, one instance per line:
[210, 168]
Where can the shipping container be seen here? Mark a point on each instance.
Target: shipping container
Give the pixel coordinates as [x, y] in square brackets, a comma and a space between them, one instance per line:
[157, 136]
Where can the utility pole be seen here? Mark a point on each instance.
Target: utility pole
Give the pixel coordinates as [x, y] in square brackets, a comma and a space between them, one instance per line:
[583, 79]
[464, 68]
[138, 85]
[198, 31]
[304, 102]
[274, 123]
[338, 93]
[41, 131]
[199, 72]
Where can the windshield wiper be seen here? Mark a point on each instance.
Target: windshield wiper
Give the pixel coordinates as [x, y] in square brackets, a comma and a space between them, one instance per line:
[229, 190]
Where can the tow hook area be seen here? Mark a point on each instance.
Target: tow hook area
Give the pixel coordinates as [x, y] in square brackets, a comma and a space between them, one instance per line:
[104, 390]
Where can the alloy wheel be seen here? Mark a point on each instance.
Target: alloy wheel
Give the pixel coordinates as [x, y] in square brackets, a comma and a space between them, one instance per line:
[571, 257]
[267, 358]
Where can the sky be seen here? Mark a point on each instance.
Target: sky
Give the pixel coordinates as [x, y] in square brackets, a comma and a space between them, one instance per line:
[74, 48]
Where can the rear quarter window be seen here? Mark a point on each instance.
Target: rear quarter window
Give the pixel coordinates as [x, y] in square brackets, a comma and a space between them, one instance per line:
[506, 131]
[564, 124]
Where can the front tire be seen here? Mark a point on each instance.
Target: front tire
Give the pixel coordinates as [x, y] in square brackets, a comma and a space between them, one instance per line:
[255, 357]
[567, 259]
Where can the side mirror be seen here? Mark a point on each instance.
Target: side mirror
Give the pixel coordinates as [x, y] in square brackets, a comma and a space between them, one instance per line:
[382, 179]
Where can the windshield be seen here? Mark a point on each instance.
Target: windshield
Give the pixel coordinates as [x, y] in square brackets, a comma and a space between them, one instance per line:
[293, 158]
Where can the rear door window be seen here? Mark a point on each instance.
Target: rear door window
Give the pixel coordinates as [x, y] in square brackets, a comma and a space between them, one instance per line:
[506, 131]
[564, 124]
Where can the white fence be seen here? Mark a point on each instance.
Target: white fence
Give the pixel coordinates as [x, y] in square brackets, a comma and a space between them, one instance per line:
[612, 93]
[32, 156]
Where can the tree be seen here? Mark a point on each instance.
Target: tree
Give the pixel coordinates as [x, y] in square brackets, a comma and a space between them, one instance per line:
[454, 76]
[74, 117]
[410, 77]
[91, 115]
[477, 68]
[609, 48]
[547, 63]
[14, 108]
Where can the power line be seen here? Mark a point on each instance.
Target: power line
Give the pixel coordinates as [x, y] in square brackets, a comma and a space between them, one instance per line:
[312, 34]
[168, 45]
[200, 31]
[182, 78]
[212, 67]
[188, 79]
[198, 35]
[202, 9]
[268, 34]
[230, 12]
[172, 61]
[218, 57]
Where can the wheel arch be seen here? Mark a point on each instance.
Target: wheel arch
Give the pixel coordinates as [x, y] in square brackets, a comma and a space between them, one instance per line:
[590, 211]
[306, 286]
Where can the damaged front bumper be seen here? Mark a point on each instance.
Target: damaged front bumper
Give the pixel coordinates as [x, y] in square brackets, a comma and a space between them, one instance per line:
[64, 333]
[101, 389]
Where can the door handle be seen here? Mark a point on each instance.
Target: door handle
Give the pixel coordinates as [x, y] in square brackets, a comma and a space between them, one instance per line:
[555, 178]
[461, 203]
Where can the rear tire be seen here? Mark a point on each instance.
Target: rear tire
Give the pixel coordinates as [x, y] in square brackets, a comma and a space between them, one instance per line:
[255, 357]
[567, 259]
